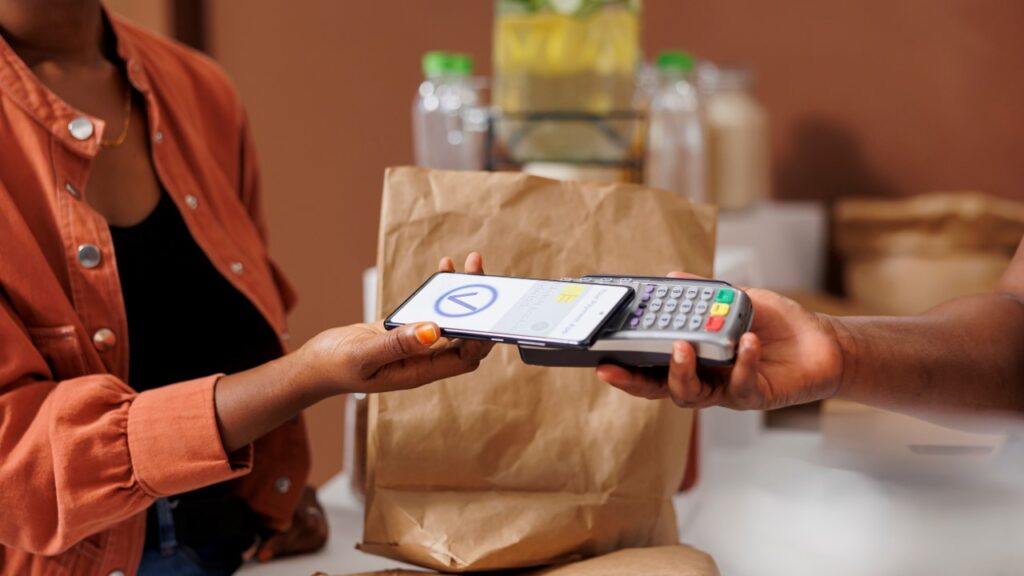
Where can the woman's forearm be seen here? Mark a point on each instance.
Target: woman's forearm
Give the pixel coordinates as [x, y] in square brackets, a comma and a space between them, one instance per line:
[357, 358]
[252, 403]
[967, 354]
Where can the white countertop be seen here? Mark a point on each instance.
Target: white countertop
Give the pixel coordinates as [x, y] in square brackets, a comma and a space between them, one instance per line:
[781, 506]
[780, 502]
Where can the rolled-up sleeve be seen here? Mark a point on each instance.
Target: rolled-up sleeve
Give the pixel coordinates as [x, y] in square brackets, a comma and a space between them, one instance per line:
[172, 451]
[82, 454]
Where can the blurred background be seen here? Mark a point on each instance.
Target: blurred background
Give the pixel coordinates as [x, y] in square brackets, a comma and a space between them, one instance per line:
[865, 157]
[859, 100]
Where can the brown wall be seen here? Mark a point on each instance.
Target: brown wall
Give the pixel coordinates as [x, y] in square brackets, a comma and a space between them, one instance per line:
[884, 97]
[868, 97]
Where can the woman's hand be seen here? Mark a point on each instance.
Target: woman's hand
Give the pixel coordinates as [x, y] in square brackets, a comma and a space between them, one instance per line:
[308, 532]
[360, 358]
[369, 358]
[790, 356]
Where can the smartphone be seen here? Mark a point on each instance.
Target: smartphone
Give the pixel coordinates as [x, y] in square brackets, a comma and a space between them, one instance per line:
[546, 313]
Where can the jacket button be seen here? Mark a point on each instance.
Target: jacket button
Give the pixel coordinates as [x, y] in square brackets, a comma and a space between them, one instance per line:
[237, 267]
[104, 339]
[80, 128]
[191, 201]
[89, 256]
[72, 190]
[116, 573]
[282, 484]
[158, 137]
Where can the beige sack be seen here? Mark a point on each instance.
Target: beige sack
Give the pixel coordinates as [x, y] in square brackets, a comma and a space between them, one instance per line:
[905, 256]
[514, 465]
[675, 560]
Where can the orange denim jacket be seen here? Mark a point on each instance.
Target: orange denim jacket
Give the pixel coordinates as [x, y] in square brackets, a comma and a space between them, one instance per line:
[82, 455]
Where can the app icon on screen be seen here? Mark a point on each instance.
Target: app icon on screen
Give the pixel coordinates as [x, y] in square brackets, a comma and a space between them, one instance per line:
[465, 300]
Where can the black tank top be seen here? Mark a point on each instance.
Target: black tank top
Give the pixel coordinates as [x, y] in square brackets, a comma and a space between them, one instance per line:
[186, 321]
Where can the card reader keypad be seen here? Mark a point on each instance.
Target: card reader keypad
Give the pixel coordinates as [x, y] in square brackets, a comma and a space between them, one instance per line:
[678, 308]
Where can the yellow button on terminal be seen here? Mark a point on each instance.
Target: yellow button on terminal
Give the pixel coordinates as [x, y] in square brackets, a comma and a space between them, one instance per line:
[719, 309]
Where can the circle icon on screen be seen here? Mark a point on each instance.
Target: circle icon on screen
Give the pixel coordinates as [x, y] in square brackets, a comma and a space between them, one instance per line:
[466, 300]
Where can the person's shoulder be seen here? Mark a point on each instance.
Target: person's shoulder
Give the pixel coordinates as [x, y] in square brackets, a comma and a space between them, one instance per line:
[174, 66]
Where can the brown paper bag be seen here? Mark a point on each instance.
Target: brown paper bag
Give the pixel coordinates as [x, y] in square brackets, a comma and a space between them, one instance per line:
[515, 465]
[906, 256]
[675, 560]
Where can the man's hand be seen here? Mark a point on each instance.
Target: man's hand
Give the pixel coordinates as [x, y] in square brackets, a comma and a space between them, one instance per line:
[790, 356]
[369, 358]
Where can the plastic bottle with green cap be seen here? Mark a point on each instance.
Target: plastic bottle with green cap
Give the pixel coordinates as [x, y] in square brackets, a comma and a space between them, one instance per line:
[682, 62]
[435, 63]
[427, 120]
[459, 64]
[446, 97]
[676, 155]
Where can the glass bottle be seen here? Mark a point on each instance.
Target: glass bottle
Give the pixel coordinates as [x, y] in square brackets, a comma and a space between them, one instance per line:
[557, 63]
[739, 152]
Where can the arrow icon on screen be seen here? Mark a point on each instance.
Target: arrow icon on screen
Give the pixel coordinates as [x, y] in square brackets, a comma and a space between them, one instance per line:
[465, 300]
[458, 299]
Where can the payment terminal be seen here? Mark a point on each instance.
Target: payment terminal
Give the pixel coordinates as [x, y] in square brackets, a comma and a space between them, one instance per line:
[709, 314]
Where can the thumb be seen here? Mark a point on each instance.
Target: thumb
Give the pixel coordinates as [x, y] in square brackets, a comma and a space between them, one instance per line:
[400, 343]
[678, 274]
[271, 547]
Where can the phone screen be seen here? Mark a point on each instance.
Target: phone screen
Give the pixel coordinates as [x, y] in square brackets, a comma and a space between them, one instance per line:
[512, 308]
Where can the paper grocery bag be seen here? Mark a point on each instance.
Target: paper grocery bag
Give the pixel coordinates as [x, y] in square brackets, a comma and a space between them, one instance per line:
[908, 255]
[514, 465]
[675, 560]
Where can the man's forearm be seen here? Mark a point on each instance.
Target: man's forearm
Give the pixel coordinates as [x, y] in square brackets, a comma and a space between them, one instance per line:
[967, 354]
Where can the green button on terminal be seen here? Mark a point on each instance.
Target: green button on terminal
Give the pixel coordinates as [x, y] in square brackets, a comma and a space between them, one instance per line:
[724, 296]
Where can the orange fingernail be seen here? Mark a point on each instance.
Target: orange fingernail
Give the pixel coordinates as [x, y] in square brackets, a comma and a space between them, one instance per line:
[427, 334]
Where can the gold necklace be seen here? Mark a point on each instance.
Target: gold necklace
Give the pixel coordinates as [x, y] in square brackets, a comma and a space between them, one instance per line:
[127, 120]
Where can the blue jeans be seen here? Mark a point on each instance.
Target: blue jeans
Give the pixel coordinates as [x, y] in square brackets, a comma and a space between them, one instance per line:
[175, 559]
[183, 562]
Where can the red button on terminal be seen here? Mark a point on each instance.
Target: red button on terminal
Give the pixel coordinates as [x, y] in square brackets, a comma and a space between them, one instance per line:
[714, 324]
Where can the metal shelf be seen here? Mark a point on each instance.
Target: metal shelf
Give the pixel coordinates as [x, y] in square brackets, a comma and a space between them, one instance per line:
[614, 139]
